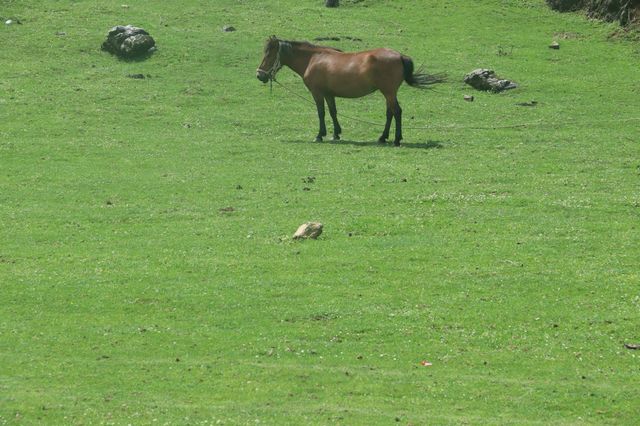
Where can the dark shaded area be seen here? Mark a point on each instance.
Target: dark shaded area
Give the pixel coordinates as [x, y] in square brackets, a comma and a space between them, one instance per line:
[567, 5]
[336, 38]
[417, 145]
[528, 104]
[623, 11]
[332, 3]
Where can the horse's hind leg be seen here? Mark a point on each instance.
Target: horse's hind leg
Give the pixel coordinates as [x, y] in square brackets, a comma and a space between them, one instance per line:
[337, 130]
[319, 99]
[387, 126]
[393, 111]
[397, 114]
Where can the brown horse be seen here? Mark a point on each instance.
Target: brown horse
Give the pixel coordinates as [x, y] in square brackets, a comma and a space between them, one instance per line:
[329, 73]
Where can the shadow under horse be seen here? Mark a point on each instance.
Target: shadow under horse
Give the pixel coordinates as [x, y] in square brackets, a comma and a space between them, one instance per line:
[329, 73]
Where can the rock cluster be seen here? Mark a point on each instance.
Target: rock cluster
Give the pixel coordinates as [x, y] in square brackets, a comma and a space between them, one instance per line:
[128, 41]
[484, 79]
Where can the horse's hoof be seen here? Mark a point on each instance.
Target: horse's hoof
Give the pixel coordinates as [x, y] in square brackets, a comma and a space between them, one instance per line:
[396, 143]
[382, 140]
[336, 138]
[318, 139]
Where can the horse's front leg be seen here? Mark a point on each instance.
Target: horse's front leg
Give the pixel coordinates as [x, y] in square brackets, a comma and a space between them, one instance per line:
[319, 99]
[333, 111]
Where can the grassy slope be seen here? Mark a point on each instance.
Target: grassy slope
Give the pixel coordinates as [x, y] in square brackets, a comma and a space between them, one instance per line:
[506, 257]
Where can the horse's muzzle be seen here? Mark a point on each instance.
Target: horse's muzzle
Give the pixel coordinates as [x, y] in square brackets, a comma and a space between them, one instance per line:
[262, 76]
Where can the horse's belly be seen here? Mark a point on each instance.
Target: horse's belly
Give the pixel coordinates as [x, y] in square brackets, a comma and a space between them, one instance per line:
[344, 80]
[352, 92]
[350, 86]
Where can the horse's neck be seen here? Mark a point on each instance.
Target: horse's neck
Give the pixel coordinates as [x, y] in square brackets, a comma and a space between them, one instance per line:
[298, 58]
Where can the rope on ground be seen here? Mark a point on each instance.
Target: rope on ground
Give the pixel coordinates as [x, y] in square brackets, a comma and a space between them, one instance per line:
[458, 127]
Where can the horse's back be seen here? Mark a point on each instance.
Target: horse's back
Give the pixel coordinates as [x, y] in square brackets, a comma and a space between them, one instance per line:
[355, 74]
[383, 68]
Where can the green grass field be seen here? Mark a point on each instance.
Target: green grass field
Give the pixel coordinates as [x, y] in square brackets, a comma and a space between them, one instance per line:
[147, 270]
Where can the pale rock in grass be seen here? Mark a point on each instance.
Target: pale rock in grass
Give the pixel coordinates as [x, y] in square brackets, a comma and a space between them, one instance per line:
[308, 230]
[10, 21]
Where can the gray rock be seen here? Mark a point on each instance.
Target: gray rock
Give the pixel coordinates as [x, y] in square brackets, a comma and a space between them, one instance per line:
[484, 79]
[128, 41]
[308, 230]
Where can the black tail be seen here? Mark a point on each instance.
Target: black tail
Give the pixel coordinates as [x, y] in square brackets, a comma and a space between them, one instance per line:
[420, 80]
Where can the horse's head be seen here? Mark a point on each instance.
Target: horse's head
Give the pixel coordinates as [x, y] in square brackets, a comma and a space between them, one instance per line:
[270, 64]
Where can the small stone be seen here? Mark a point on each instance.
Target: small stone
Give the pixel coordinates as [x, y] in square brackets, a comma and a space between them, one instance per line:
[468, 98]
[308, 230]
[228, 29]
[555, 45]
[8, 22]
